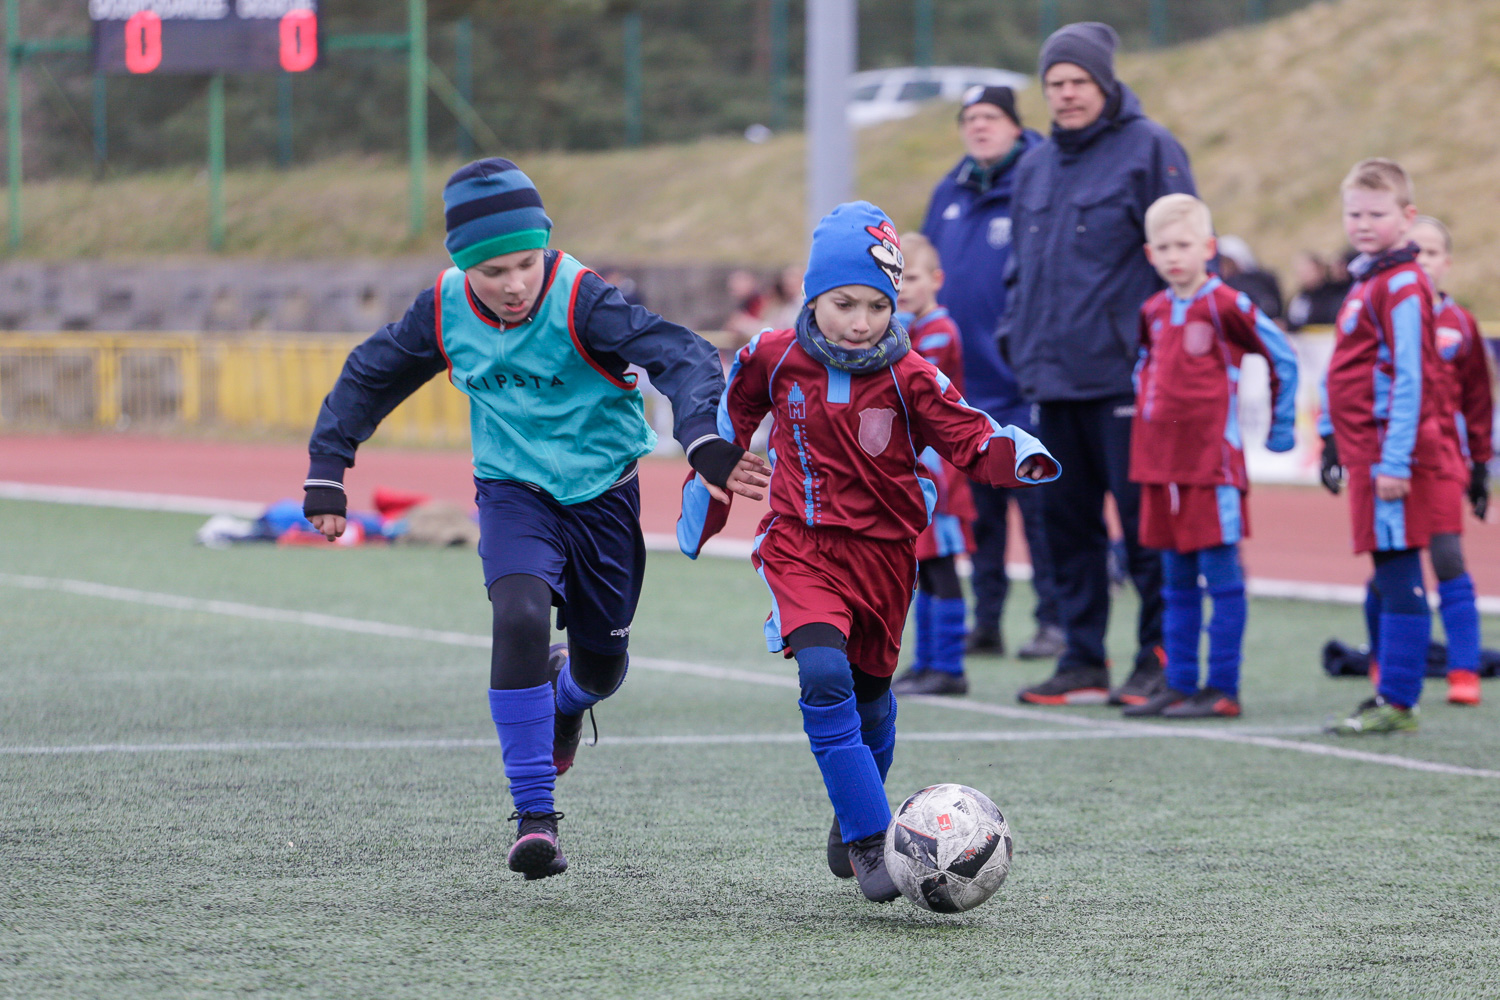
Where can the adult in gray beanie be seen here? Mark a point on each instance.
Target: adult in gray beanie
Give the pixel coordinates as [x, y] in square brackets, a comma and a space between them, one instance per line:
[1077, 279]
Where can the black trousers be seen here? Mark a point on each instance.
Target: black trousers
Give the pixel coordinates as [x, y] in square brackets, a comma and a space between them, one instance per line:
[991, 534]
[1092, 441]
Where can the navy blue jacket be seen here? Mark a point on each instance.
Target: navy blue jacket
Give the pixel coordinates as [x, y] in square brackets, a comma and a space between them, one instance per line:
[971, 230]
[396, 361]
[1078, 274]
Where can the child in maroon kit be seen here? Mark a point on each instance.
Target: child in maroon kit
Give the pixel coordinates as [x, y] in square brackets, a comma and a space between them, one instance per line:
[1187, 452]
[854, 408]
[938, 667]
[1383, 418]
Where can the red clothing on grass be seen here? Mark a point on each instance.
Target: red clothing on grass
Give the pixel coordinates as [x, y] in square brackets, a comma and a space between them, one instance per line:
[1468, 386]
[936, 337]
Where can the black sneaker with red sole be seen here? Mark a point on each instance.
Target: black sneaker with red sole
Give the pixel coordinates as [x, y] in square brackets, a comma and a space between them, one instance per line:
[1148, 677]
[1209, 703]
[536, 853]
[567, 730]
[1072, 686]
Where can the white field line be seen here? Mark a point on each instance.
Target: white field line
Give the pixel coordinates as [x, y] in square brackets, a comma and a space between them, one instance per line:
[365, 627]
[689, 740]
[728, 548]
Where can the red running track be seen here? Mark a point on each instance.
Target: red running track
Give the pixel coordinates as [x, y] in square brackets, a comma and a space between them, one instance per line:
[1301, 533]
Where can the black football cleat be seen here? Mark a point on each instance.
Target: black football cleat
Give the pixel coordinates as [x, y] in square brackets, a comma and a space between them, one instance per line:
[838, 852]
[1071, 686]
[867, 858]
[1157, 704]
[567, 730]
[931, 682]
[1148, 677]
[1209, 703]
[536, 853]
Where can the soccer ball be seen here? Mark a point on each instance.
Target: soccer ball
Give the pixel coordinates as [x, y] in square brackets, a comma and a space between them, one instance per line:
[948, 848]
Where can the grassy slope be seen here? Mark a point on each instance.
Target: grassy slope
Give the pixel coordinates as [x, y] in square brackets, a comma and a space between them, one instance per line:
[1145, 867]
[1273, 116]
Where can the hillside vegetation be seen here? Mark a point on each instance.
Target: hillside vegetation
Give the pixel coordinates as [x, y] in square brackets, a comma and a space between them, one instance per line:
[1273, 116]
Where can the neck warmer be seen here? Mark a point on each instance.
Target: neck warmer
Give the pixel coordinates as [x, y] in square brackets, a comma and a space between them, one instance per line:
[1366, 265]
[856, 361]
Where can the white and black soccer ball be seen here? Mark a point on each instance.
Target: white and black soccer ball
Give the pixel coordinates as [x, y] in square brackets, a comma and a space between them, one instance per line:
[948, 848]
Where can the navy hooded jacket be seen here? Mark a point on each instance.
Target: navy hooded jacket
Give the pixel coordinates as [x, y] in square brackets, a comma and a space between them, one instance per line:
[1078, 272]
[971, 230]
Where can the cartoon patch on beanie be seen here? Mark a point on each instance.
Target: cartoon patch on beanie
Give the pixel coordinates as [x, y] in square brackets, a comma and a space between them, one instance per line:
[887, 251]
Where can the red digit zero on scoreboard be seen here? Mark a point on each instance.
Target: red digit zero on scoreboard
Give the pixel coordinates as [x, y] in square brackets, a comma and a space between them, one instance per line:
[143, 42]
[299, 41]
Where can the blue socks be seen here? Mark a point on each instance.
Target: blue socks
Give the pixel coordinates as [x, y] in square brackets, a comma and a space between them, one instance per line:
[1226, 633]
[947, 646]
[1405, 626]
[1181, 622]
[833, 724]
[574, 700]
[1372, 618]
[1182, 617]
[877, 730]
[1460, 616]
[523, 721]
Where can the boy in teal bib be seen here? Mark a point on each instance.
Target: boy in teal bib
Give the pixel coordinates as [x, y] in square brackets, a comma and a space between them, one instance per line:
[540, 344]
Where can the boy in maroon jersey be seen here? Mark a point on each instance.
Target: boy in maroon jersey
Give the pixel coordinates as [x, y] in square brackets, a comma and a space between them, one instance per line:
[939, 607]
[1468, 406]
[1187, 453]
[1384, 431]
[854, 408]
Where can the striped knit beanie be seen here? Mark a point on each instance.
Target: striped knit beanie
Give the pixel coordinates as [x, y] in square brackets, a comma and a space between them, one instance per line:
[491, 208]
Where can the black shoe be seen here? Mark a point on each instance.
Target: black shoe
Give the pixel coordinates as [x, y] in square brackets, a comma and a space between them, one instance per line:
[1049, 643]
[1073, 686]
[984, 641]
[1148, 677]
[867, 858]
[536, 853]
[567, 730]
[838, 852]
[902, 684]
[1209, 703]
[931, 682]
[1157, 704]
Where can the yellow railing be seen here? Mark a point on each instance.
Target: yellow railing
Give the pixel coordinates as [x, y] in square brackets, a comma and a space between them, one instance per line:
[262, 382]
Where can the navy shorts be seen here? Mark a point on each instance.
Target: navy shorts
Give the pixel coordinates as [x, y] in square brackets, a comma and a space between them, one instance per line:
[591, 554]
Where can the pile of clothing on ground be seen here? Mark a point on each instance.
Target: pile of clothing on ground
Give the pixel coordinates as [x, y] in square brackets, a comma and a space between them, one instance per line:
[398, 517]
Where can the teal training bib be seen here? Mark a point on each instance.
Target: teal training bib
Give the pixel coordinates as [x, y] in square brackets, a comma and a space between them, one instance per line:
[540, 410]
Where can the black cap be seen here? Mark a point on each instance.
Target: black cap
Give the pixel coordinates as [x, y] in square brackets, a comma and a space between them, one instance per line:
[1087, 44]
[1001, 97]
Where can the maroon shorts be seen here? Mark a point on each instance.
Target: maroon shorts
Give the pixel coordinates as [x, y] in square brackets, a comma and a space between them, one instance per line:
[1189, 518]
[1435, 506]
[860, 586]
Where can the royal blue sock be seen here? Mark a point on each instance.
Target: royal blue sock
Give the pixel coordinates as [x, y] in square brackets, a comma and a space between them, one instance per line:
[1405, 626]
[1182, 619]
[1226, 630]
[1226, 634]
[523, 721]
[1460, 621]
[948, 635]
[922, 609]
[572, 699]
[877, 730]
[849, 770]
[1372, 618]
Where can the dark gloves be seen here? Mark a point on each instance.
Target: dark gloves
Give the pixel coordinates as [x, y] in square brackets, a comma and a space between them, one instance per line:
[1332, 472]
[715, 459]
[325, 500]
[1479, 489]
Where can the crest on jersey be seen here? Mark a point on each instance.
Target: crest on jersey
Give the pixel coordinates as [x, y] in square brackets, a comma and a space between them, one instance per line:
[999, 233]
[1197, 338]
[875, 429]
[887, 251]
[1448, 342]
[1349, 315]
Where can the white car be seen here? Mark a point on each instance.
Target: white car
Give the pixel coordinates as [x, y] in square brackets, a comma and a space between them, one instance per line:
[882, 95]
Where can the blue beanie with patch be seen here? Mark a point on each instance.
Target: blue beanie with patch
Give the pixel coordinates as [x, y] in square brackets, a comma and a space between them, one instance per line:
[855, 244]
[491, 208]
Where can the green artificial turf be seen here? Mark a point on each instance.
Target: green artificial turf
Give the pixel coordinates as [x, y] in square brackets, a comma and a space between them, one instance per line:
[339, 831]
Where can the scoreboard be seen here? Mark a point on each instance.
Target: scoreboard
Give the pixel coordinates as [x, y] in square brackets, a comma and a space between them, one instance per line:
[204, 36]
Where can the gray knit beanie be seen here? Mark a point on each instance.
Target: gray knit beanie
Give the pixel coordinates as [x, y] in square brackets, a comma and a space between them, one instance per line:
[1087, 44]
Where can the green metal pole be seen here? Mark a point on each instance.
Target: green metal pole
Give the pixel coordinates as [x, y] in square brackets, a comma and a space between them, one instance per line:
[1159, 22]
[13, 119]
[284, 120]
[416, 107]
[633, 114]
[922, 32]
[780, 57]
[463, 78]
[101, 121]
[1047, 23]
[216, 161]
